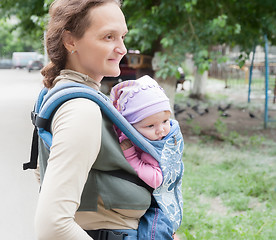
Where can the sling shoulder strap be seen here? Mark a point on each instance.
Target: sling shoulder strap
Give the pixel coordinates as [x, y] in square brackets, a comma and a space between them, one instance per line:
[50, 100]
[64, 92]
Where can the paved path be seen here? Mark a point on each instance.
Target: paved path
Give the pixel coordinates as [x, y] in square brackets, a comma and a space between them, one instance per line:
[19, 189]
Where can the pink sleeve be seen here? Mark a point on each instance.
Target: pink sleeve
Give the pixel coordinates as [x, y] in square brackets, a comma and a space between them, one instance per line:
[147, 167]
[122, 137]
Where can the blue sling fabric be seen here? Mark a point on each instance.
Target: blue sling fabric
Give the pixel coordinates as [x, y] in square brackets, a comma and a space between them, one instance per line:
[168, 151]
[58, 95]
[164, 216]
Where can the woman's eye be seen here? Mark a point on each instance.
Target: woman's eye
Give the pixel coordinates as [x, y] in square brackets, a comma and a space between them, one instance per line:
[109, 37]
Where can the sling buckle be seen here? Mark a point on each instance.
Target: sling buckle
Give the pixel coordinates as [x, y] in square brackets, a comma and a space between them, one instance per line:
[110, 235]
[104, 234]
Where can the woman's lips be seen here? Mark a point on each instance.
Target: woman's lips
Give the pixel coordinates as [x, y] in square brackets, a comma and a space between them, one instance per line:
[114, 60]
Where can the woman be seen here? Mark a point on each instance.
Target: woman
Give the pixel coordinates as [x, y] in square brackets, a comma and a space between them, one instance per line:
[85, 41]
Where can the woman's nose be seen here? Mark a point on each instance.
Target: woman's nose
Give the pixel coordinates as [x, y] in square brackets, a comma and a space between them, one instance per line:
[121, 48]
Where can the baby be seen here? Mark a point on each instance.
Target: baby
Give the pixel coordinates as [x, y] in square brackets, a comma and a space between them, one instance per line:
[144, 105]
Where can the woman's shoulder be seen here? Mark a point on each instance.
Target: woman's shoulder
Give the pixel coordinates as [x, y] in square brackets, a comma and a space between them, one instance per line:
[81, 105]
[81, 110]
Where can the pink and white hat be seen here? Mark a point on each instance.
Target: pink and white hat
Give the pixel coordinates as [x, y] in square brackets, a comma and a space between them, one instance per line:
[138, 99]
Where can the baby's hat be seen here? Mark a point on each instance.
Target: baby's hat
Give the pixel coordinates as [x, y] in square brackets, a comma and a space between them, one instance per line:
[138, 99]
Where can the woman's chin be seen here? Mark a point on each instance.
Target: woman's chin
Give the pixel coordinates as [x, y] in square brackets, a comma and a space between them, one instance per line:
[114, 74]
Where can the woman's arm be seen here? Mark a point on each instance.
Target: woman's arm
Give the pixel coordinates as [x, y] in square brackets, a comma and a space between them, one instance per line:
[76, 129]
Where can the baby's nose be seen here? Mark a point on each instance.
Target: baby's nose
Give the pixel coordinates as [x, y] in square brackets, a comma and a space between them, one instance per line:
[160, 131]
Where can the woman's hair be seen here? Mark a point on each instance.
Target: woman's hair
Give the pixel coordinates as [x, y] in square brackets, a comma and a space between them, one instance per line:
[65, 15]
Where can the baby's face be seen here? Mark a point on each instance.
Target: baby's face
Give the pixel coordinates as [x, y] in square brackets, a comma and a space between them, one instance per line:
[154, 127]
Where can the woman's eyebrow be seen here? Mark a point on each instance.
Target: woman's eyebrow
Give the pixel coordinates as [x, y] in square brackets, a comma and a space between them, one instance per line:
[106, 31]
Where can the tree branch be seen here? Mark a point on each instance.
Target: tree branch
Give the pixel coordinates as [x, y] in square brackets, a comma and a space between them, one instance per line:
[192, 28]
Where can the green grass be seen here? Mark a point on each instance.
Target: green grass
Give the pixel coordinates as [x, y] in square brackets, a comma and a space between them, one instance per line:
[229, 192]
[229, 186]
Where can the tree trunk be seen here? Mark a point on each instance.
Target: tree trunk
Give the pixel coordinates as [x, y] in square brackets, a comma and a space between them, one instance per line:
[199, 86]
[169, 86]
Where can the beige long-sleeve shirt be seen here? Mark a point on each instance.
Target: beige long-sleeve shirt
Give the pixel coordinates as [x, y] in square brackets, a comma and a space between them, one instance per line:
[76, 129]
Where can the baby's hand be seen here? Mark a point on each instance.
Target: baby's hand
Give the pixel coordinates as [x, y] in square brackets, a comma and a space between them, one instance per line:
[126, 144]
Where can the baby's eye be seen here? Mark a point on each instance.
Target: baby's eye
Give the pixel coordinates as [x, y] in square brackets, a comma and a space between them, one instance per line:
[165, 121]
[150, 126]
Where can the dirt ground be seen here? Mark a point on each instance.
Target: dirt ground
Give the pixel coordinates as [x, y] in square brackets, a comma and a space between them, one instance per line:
[239, 116]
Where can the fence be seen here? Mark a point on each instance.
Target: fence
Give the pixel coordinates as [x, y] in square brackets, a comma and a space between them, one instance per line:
[235, 77]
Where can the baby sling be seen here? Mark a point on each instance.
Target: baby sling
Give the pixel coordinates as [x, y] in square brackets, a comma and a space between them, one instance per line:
[168, 152]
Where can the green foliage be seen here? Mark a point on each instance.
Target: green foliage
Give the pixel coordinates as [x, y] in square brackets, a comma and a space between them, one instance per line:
[196, 129]
[235, 138]
[176, 28]
[255, 140]
[202, 60]
[31, 17]
[163, 68]
[221, 127]
[26, 12]
[12, 40]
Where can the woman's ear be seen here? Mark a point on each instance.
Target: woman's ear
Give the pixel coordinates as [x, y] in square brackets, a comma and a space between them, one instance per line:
[68, 41]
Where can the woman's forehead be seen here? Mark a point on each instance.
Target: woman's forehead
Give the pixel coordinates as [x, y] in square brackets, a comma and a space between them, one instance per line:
[108, 17]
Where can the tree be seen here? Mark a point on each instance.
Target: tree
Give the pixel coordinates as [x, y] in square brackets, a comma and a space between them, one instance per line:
[11, 40]
[27, 32]
[171, 29]
[168, 30]
[30, 13]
